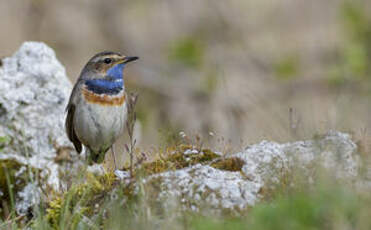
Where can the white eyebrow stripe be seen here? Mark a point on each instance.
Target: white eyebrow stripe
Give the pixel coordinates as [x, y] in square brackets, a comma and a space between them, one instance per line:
[113, 56]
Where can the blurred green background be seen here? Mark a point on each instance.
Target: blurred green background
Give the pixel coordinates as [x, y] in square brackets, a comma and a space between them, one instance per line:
[243, 70]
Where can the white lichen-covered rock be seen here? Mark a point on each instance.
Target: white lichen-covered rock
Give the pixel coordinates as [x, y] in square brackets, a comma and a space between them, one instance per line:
[265, 164]
[202, 185]
[27, 198]
[34, 91]
[335, 151]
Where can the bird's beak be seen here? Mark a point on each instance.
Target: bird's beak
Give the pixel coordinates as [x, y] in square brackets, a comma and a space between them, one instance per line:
[128, 59]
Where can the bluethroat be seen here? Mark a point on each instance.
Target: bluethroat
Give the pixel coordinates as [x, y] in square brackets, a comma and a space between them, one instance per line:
[97, 109]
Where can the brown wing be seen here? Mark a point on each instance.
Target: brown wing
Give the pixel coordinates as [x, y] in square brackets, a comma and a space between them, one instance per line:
[70, 128]
[70, 117]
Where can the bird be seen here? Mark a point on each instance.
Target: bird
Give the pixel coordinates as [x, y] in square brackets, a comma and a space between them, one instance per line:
[97, 107]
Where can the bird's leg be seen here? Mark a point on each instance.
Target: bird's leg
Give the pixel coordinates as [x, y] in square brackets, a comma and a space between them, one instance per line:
[114, 156]
[86, 154]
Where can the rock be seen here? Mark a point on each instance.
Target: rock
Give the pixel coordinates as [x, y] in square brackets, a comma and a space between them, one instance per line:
[34, 91]
[264, 165]
[201, 186]
[28, 197]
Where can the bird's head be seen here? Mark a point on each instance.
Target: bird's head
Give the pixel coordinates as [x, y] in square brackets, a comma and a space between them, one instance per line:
[109, 63]
[104, 71]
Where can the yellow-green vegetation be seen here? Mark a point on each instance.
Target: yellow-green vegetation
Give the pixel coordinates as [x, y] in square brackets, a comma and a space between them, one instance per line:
[4, 140]
[233, 164]
[174, 158]
[67, 209]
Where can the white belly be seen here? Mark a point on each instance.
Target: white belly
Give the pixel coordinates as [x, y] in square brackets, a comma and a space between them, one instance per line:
[99, 126]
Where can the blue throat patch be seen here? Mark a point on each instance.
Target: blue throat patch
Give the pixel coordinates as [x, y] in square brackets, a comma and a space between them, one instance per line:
[112, 83]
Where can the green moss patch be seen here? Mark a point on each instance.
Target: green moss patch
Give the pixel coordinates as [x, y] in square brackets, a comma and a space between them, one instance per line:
[8, 169]
[66, 210]
[233, 164]
[12, 180]
[178, 158]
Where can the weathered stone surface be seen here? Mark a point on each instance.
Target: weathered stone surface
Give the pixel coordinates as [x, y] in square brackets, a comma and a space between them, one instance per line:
[265, 164]
[34, 91]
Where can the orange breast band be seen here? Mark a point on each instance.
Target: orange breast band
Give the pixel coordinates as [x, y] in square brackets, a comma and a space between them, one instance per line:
[103, 99]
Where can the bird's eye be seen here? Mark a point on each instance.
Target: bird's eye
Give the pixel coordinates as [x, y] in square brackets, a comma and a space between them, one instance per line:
[107, 60]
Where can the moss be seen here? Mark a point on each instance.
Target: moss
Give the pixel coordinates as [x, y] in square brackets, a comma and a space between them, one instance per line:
[4, 140]
[318, 136]
[178, 158]
[81, 199]
[86, 199]
[54, 211]
[12, 180]
[8, 168]
[233, 164]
